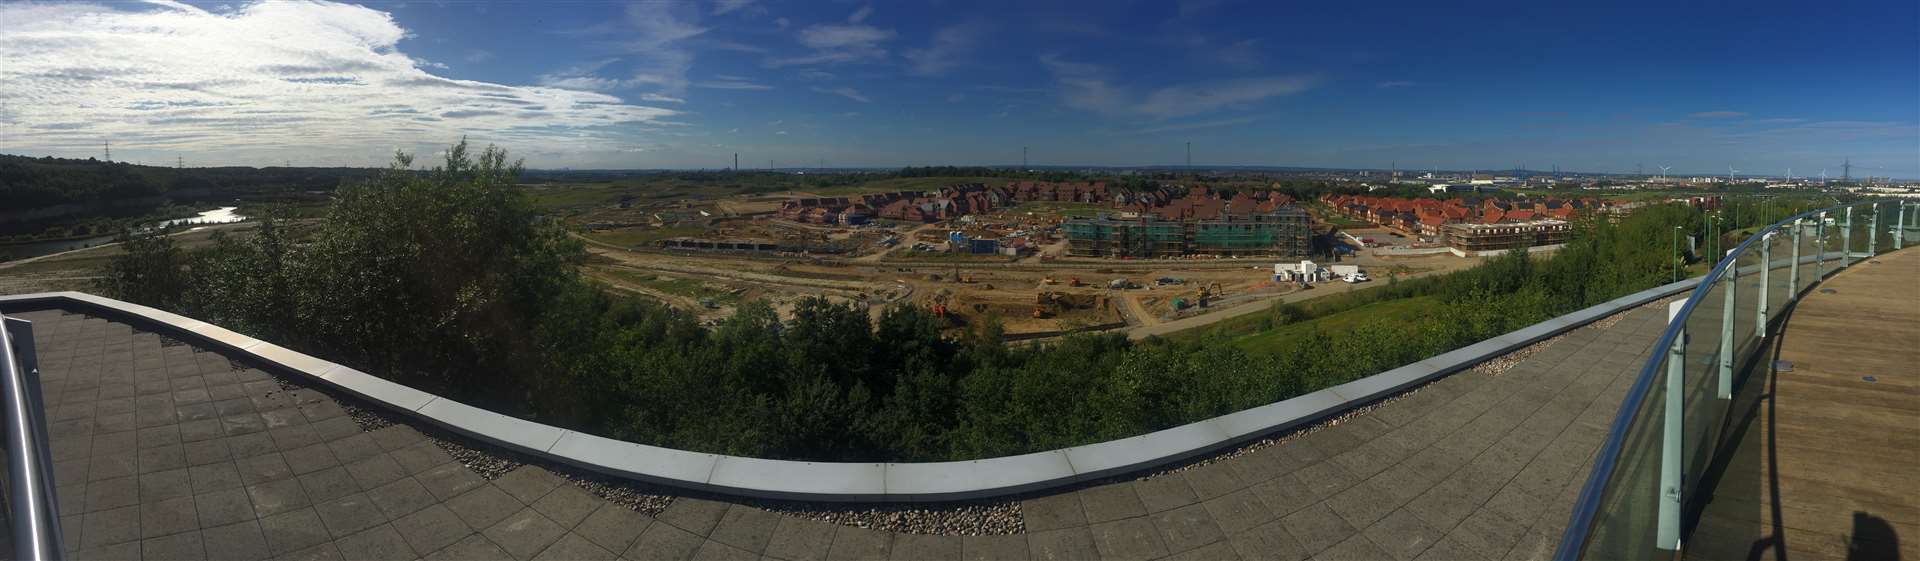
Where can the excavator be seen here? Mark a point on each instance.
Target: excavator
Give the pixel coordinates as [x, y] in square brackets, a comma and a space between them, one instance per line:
[1208, 292]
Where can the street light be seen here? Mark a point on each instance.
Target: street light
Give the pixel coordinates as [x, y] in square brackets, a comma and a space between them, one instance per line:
[1676, 254]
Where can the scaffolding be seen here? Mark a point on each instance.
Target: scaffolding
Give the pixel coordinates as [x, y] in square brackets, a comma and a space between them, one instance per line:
[1286, 231]
[1506, 235]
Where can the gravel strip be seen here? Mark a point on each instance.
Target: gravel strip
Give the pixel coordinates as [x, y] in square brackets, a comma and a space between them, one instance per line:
[948, 519]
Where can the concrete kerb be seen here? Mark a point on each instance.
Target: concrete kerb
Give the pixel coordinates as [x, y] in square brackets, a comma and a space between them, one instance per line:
[855, 482]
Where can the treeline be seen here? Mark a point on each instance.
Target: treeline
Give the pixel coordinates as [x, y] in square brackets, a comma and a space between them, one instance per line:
[29, 183]
[448, 281]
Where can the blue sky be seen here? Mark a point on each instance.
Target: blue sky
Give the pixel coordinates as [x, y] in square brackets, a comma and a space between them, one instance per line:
[1593, 86]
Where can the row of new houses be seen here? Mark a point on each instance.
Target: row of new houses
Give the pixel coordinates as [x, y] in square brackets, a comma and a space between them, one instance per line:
[960, 200]
[1472, 227]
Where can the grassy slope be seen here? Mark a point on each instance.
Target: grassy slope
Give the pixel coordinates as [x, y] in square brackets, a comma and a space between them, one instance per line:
[1389, 311]
[674, 285]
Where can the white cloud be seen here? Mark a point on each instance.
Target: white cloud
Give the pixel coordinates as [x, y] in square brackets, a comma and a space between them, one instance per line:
[861, 14]
[1717, 115]
[731, 83]
[478, 55]
[834, 43]
[948, 46]
[781, 23]
[1087, 86]
[1199, 125]
[1189, 99]
[781, 133]
[728, 6]
[654, 97]
[657, 42]
[317, 79]
[846, 92]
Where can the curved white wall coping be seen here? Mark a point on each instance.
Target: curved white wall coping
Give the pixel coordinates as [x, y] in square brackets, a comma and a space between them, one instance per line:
[853, 482]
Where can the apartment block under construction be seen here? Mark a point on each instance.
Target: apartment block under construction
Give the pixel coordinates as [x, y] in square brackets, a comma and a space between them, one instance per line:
[1474, 239]
[1284, 231]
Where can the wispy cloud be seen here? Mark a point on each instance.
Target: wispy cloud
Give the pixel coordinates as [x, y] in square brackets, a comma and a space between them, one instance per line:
[656, 41]
[731, 83]
[1087, 86]
[1199, 125]
[1008, 89]
[478, 55]
[837, 43]
[861, 14]
[318, 78]
[721, 7]
[1392, 84]
[1717, 115]
[948, 47]
[846, 92]
[660, 98]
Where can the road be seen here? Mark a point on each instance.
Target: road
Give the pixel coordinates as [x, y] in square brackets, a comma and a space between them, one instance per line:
[17, 262]
[1261, 303]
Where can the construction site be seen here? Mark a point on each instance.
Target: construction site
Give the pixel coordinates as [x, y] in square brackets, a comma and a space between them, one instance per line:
[1026, 264]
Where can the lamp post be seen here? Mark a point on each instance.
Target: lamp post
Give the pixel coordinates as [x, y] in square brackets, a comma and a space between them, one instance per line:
[1676, 254]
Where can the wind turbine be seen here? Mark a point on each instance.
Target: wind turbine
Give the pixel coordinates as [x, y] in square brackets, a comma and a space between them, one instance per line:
[1730, 172]
[1823, 176]
[1663, 173]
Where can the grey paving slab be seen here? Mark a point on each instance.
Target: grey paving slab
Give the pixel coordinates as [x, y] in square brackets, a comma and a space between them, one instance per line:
[859, 544]
[1106, 503]
[920, 547]
[573, 547]
[524, 534]
[1187, 527]
[991, 548]
[1132, 539]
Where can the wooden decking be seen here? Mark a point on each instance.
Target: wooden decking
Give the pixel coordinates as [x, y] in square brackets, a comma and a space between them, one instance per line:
[1829, 464]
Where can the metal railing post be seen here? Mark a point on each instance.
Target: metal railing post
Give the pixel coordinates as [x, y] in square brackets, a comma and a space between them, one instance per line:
[1793, 270]
[1766, 276]
[1846, 241]
[1820, 253]
[1900, 225]
[33, 508]
[1667, 535]
[1873, 229]
[1729, 308]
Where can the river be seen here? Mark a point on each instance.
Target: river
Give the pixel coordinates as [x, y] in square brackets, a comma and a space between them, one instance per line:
[222, 215]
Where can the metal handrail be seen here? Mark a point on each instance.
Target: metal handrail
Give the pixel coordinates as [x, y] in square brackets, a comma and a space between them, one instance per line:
[1585, 511]
[34, 512]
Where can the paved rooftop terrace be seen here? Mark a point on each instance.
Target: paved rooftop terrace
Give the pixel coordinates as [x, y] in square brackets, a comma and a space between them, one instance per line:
[168, 451]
